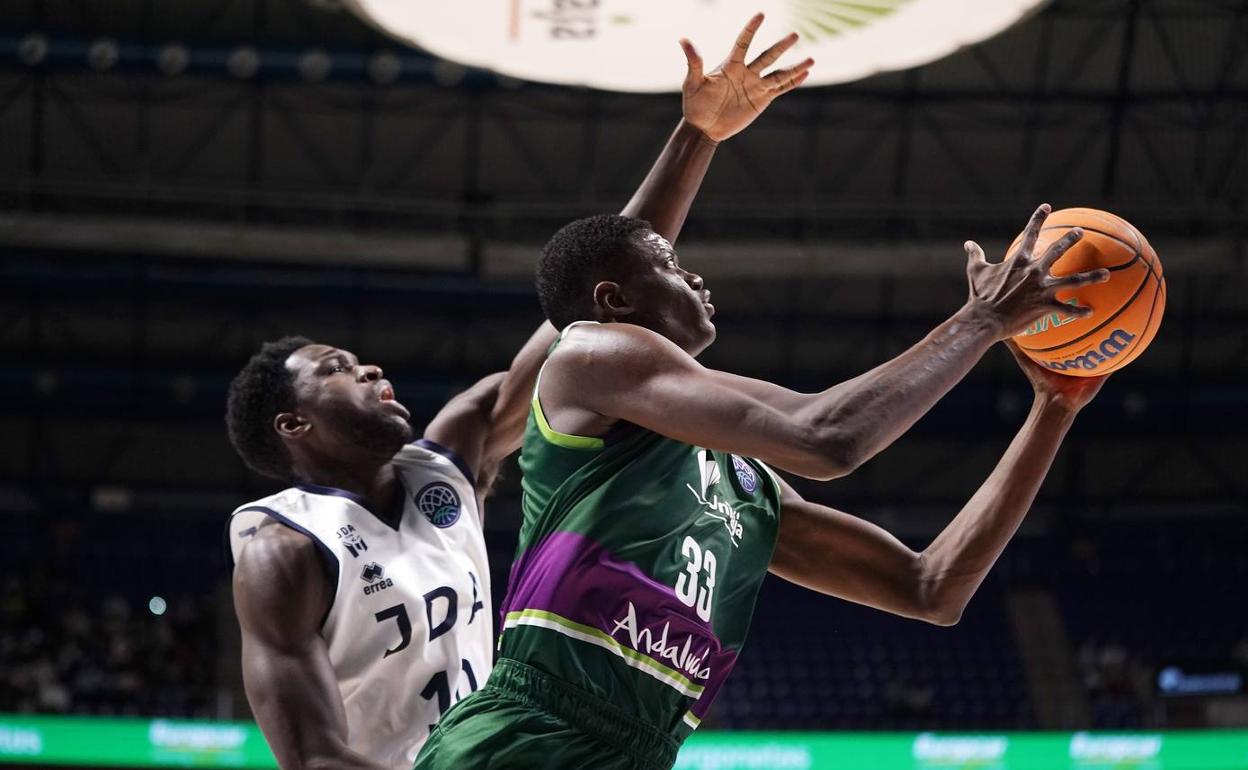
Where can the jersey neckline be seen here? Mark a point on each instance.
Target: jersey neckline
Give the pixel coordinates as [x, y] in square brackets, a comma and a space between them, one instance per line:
[393, 521]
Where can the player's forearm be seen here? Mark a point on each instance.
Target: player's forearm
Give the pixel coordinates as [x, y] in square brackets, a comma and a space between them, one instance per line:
[509, 409]
[861, 417]
[955, 564]
[301, 737]
[664, 197]
[302, 732]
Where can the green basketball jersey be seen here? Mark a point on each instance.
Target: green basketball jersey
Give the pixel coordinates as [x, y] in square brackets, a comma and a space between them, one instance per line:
[639, 562]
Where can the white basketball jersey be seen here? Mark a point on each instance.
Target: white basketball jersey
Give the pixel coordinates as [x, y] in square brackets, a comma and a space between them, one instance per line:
[410, 631]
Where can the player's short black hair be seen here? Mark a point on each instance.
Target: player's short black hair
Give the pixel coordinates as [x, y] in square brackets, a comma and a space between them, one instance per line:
[261, 391]
[574, 259]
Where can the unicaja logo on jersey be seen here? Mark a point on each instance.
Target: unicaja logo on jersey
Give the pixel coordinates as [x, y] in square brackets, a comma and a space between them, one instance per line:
[440, 504]
[708, 470]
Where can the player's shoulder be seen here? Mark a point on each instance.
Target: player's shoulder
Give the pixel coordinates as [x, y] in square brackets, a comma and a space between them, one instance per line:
[604, 348]
[280, 503]
[278, 520]
[427, 457]
[275, 548]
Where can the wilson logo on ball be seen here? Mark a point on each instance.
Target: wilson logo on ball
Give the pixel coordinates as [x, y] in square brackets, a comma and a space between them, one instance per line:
[1118, 341]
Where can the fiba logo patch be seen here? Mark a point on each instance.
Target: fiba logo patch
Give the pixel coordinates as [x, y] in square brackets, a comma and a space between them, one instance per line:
[439, 503]
[746, 476]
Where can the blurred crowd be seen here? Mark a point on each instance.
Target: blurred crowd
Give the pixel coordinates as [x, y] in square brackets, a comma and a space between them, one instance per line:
[71, 645]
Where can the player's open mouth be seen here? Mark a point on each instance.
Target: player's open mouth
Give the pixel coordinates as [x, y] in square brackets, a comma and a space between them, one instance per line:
[706, 303]
[386, 393]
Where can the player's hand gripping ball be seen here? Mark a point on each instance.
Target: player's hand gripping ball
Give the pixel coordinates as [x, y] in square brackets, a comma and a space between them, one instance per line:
[1127, 308]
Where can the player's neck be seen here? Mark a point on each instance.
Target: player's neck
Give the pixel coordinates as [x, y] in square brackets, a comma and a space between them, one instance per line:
[376, 484]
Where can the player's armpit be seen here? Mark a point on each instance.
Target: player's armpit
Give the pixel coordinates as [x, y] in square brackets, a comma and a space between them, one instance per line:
[485, 423]
[281, 596]
[834, 553]
[515, 397]
[463, 425]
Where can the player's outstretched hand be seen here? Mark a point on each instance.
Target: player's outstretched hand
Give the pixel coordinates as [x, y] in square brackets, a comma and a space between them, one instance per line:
[725, 100]
[1017, 291]
[1070, 393]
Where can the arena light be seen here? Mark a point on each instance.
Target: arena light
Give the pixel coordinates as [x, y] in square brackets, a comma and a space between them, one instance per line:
[448, 73]
[630, 45]
[102, 54]
[315, 65]
[243, 62]
[173, 58]
[384, 67]
[32, 49]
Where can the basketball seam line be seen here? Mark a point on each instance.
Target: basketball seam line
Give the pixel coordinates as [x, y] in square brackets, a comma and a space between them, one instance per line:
[1152, 309]
[1101, 325]
[1136, 250]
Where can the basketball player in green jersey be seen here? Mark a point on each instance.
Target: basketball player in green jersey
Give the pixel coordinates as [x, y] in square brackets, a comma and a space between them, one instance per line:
[651, 514]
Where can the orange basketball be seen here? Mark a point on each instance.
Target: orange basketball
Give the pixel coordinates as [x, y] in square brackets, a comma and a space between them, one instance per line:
[1127, 309]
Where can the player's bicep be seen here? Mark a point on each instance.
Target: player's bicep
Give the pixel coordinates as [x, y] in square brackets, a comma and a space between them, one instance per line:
[281, 594]
[841, 555]
[717, 410]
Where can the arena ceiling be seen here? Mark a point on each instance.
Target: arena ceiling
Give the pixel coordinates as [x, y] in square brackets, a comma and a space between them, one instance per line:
[175, 188]
[290, 131]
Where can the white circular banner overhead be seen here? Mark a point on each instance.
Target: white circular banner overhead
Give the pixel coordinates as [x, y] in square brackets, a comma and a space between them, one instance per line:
[631, 45]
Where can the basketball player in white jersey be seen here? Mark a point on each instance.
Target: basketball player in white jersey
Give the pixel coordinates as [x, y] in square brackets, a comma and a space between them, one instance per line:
[363, 589]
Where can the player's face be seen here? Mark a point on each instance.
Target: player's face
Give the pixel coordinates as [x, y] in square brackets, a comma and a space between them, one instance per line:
[670, 299]
[347, 402]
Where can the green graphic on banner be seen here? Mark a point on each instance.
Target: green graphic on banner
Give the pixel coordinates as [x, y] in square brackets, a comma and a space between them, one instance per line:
[132, 742]
[179, 743]
[819, 19]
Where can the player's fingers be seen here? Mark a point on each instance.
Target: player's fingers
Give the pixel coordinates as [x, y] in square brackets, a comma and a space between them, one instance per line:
[1081, 279]
[974, 253]
[1078, 311]
[1032, 233]
[769, 57]
[1060, 247]
[794, 83]
[693, 59]
[745, 38]
[782, 78]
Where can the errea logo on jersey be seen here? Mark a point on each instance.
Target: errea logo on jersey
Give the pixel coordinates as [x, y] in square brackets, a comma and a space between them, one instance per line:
[708, 471]
[375, 575]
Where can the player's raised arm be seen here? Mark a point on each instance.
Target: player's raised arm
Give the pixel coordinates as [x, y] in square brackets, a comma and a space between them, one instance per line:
[485, 424]
[715, 106]
[838, 554]
[641, 370]
[281, 596]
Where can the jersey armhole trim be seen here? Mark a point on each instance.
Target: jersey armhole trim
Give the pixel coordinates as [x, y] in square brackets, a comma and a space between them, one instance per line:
[565, 440]
[331, 559]
[449, 454]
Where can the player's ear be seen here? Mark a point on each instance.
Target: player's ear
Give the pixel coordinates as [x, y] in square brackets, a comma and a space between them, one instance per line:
[290, 425]
[610, 302]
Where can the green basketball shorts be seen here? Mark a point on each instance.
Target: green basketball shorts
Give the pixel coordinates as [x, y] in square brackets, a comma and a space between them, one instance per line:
[524, 719]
